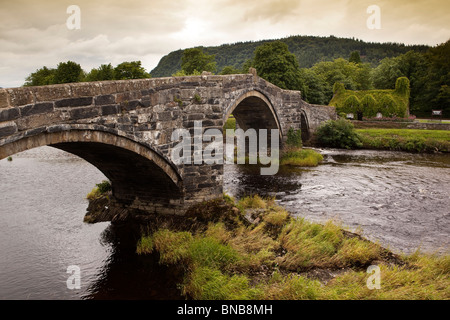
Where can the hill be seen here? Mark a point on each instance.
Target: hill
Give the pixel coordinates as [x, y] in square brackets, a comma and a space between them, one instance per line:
[308, 50]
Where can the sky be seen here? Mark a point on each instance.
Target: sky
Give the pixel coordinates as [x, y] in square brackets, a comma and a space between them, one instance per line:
[34, 33]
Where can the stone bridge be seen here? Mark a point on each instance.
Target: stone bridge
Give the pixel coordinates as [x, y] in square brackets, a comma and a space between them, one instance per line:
[124, 129]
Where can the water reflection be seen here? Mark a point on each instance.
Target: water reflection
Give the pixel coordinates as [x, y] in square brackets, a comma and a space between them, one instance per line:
[128, 276]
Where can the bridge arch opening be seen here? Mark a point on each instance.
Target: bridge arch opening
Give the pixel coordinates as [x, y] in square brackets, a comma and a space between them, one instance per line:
[304, 126]
[140, 177]
[253, 110]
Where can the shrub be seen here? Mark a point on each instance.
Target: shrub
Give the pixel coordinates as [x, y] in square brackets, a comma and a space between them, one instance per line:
[104, 186]
[338, 134]
[294, 138]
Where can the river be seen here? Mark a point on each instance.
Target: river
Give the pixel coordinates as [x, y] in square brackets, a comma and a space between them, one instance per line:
[398, 199]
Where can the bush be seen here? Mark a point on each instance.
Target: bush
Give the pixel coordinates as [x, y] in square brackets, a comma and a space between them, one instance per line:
[338, 134]
[294, 138]
[104, 186]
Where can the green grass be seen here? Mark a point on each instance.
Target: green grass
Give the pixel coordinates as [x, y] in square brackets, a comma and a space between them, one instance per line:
[230, 123]
[99, 190]
[412, 140]
[301, 157]
[231, 259]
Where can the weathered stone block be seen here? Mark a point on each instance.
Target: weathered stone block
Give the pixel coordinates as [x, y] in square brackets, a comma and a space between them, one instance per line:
[73, 102]
[104, 99]
[109, 109]
[7, 129]
[9, 114]
[83, 113]
[38, 108]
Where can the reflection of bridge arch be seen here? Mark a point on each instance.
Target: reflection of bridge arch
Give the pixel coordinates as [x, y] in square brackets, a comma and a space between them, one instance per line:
[134, 169]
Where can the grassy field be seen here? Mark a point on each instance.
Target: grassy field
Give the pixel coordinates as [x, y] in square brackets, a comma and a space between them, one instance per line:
[224, 256]
[413, 140]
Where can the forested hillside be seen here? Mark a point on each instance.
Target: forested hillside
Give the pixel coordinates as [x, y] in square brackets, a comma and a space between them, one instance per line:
[308, 49]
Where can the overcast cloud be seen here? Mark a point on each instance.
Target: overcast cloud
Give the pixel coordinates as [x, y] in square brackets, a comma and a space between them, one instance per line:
[34, 33]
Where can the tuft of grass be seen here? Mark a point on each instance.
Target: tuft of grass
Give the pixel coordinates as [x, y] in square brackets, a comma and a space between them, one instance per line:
[251, 202]
[173, 247]
[145, 245]
[276, 218]
[309, 244]
[209, 252]
[206, 283]
[301, 158]
[355, 251]
[291, 287]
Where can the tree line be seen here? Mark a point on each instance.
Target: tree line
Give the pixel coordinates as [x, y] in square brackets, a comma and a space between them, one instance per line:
[427, 71]
[67, 72]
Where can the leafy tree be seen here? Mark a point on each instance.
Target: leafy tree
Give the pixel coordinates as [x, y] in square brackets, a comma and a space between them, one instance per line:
[40, 77]
[338, 134]
[130, 70]
[438, 80]
[229, 70]
[67, 72]
[313, 87]
[276, 64]
[355, 57]
[195, 60]
[104, 72]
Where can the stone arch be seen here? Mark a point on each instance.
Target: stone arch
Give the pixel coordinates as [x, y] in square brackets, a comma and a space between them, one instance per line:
[254, 101]
[137, 172]
[304, 126]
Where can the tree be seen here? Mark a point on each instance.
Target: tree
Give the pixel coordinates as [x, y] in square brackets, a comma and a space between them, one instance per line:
[130, 70]
[354, 57]
[104, 72]
[276, 64]
[67, 72]
[40, 77]
[313, 87]
[229, 70]
[195, 60]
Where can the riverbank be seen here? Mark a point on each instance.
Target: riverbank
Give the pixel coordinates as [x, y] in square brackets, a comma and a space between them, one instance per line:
[410, 140]
[254, 249]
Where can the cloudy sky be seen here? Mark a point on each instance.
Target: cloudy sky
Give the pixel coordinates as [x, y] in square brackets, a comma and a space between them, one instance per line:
[35, 33]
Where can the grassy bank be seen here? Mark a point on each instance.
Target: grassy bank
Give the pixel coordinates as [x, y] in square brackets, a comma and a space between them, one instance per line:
[300, 157]
[225, 256]
[411, 140]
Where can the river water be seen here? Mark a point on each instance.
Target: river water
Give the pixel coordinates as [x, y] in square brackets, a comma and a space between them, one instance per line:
[398, 199]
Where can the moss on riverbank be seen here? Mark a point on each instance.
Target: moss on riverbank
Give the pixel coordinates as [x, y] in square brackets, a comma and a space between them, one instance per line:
[254, 249]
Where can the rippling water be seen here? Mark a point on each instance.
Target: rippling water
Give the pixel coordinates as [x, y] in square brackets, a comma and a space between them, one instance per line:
[399, 199]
